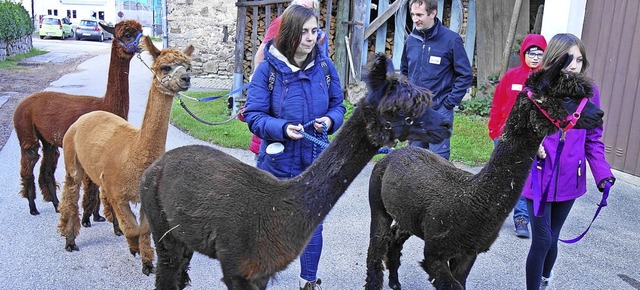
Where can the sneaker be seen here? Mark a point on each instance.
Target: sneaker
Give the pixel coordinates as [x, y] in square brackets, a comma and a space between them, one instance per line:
[546, 281]
[310, 285]
[522, 228]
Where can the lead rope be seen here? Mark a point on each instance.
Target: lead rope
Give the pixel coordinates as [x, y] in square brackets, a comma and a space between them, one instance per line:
[322, 139]
[180, 95]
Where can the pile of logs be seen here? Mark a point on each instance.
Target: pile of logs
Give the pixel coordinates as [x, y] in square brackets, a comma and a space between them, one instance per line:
[254, 35]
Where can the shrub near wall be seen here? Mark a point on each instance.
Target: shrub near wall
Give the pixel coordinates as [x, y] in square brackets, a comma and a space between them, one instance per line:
[15, 29]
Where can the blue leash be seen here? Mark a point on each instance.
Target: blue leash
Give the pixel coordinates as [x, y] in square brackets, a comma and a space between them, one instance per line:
[323, 140]
[211, 98]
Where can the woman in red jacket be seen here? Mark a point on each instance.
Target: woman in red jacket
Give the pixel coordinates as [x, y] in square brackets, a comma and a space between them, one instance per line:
[531, 53]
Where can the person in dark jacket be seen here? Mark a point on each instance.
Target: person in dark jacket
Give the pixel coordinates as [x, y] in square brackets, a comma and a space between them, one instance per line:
[434, 57]
[531, 54]
[297, 94]
[568, 182]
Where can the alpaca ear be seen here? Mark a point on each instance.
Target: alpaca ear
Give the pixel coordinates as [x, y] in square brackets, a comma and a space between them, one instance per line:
[556, 70]
[106, 27]
[148, 46]
[189, 50]
[376, 77]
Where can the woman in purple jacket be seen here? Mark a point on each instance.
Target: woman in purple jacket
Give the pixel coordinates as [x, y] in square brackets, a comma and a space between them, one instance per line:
[580, 146]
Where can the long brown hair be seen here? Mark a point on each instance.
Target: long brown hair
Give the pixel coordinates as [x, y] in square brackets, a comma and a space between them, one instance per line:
[290, 32]
[559, 45]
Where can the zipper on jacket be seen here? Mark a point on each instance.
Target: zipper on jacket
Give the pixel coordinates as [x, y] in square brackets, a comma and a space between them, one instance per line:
[579, 172]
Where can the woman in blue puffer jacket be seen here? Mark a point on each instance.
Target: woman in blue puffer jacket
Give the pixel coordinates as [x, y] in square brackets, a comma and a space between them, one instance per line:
[294, 85]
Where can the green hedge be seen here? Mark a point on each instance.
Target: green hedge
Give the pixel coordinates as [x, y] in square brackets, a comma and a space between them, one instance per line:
[14, 21]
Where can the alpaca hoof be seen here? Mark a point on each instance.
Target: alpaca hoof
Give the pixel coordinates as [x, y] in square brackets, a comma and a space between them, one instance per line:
[117, 232]
[98, 218]
[134, 252]
[34, 212]
[85, 221]
[148, 269]
[395, 285]
[71, 247]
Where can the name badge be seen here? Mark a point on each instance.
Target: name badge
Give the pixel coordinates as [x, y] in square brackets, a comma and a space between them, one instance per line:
[434, 59]
[516, 87]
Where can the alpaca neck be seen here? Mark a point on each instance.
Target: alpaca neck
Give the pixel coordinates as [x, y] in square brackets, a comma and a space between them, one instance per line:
[153, 132]
[116, 98]
[507, 170]
[324, 182]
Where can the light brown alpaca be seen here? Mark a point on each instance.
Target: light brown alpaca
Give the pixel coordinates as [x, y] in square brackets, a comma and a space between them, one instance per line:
[114, 154]
[46, 116]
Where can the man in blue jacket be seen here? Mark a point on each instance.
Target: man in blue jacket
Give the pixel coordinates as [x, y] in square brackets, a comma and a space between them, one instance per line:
[434, 57]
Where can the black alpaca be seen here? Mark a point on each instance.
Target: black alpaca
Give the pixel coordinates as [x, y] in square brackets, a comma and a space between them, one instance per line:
[457, 214]
[200, 199]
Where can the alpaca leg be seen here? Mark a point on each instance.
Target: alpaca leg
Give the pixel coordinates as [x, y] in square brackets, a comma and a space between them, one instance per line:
[439, 272]
[461, 267]
[90, 202]
[69, 225]
[398, 237]
[28, 159]
[238, 282]
[378, 243]
[47, 179]
[108, 212]
[128, 224]
[173, 262]
[183, 273]
[146, 251]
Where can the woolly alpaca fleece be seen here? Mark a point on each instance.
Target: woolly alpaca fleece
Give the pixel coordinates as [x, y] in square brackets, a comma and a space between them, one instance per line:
[457, 214]
[114, 154]
[45, 117]
[200, 199]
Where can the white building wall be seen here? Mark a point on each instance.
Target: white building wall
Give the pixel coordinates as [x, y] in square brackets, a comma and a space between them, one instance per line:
[562, 16]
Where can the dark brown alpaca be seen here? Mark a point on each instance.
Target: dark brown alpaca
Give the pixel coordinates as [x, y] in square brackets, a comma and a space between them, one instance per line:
[456, 213]
[197, 198]
[45, 117]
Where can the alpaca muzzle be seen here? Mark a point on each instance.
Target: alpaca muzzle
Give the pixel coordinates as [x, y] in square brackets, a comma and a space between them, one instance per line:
[133, 46]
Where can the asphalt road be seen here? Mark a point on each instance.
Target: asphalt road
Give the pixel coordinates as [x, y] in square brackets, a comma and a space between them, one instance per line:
[32, 254]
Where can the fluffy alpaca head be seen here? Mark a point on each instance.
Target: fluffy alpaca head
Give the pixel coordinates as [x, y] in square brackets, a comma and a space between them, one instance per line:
[558, 93]
[398, 109]
[126, 34]
[171, 67]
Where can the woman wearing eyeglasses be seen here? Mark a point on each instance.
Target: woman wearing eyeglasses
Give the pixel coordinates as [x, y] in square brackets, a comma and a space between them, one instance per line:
[531, 54]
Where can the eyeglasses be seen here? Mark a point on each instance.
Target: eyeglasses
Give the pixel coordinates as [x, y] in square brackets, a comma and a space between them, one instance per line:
[535, 55]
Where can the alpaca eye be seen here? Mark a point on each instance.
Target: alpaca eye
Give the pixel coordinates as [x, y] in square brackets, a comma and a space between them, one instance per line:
[128, 35]
[165, 68]
[567, 99]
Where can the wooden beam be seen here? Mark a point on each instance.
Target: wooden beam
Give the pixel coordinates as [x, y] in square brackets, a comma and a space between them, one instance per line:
[260, 3]
[382, 18]
[357, 35]
[512, 34]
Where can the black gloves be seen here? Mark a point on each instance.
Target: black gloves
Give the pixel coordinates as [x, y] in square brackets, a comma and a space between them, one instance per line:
[602, 183]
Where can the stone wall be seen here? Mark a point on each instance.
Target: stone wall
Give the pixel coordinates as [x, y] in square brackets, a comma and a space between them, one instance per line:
[210, 26]
[16, 46]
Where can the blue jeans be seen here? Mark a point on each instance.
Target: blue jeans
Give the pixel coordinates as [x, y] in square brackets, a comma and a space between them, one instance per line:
[310, 257]
[443, 148]
[520, 210]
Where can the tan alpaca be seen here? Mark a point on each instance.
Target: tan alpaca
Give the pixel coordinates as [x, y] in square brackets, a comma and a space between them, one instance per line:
[114, 154]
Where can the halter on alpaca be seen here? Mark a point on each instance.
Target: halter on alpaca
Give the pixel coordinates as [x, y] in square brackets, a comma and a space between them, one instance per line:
[571, 119]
